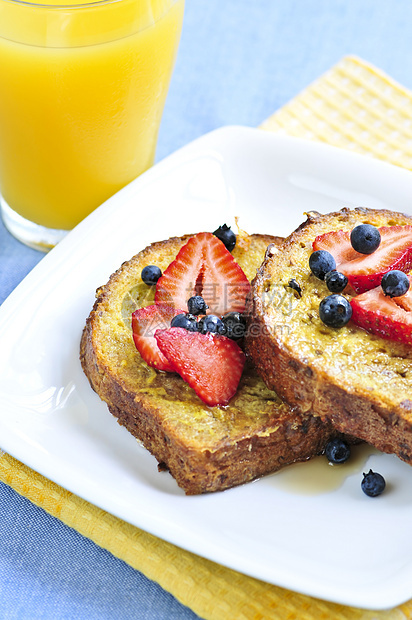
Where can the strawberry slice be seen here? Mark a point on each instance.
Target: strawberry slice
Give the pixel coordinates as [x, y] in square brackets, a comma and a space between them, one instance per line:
[211, 364]
[384, 316]
[204, 267]
[338, 244]
[405, 301]
[145, 322]
[365, 271]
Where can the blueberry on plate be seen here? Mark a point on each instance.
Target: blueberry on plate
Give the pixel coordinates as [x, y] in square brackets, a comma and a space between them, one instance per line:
[197, 305]
[320, 263]
[365, 238]
[212, 323]
[151, 274]
[395, 283]
[373, 484]
[335, 310]
[337, 451]
[227, 236]
[235, 325]
[186, 321]
[336, 281]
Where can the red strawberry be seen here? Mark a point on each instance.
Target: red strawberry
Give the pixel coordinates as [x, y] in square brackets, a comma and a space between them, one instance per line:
[405, 301]
[365, 271]
[338, 244]
[204, 267]
[211, 364]
[145, 322]
[384, 316]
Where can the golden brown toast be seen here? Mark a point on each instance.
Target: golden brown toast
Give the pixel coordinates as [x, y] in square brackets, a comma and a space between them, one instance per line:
[360, 382]
[205, 448]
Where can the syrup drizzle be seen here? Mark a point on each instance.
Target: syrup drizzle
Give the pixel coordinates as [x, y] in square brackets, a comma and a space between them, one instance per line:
[318, 476]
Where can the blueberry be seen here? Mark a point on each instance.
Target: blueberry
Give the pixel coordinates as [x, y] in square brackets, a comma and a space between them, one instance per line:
[295, 286]
[337, 451]
[197, 305]
[320, 262]
[336, 281]
[212, 323]
[151, 274]
[365, 238]
[373, 484]
[335, 310]
[227, 236]
[187, 321]
[235, 325]
[395, 283]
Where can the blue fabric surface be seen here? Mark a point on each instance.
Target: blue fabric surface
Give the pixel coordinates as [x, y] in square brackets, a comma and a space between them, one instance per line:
[239, 61]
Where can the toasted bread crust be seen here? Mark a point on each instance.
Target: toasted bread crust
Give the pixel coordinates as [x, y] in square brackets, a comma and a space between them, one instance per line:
[361, 383]
[205, 449]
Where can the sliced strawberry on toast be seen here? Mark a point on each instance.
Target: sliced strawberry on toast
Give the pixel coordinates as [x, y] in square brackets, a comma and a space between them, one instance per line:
[204, 267]
[388, 317]
[365, 271]
[145, 322]
[211, 364]
[338, 244]
[405, 301]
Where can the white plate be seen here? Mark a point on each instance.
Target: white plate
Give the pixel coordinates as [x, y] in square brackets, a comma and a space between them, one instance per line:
[339, 545]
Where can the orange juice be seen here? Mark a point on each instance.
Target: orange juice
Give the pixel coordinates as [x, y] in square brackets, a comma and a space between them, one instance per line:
[82, 91]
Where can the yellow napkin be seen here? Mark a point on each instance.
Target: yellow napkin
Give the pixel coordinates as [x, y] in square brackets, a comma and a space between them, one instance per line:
[353, 106]
[356, 107]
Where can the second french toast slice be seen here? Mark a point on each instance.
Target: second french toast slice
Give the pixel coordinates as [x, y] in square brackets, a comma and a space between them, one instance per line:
[357, 380]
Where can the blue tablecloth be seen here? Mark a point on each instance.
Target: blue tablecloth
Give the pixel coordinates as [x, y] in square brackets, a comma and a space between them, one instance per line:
[239, 61]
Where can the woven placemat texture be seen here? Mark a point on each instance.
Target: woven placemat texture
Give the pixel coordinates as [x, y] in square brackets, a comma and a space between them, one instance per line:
[353, 106]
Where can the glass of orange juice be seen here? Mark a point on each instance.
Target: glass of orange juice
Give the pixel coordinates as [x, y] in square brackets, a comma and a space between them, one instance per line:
[82, 91]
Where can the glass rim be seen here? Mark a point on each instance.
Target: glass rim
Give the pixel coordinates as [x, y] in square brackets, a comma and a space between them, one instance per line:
[80, 5]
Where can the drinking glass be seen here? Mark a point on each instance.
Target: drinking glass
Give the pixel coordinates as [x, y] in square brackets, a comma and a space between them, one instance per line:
[82, 91]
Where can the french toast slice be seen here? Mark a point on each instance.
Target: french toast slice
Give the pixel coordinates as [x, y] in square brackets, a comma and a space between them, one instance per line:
[204, 448]
[358, 381]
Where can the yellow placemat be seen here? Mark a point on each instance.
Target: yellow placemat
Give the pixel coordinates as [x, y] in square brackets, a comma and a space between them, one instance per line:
[353, 106]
